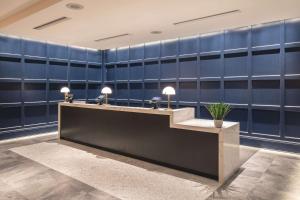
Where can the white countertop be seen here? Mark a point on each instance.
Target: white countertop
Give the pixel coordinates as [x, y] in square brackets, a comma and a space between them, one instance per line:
[204, 125]
[119, 108]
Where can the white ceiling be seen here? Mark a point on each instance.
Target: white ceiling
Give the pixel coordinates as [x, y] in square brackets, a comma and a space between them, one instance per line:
[105, 18]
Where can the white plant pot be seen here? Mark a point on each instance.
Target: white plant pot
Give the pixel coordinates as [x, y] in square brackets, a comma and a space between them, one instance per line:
[218, 123]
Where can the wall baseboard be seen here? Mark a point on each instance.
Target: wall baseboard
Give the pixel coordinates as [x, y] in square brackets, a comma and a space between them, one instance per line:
[270, 144]
[22, 132]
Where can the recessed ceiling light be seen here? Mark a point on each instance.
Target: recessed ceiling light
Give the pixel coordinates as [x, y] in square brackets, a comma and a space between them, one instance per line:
[156, 32]
[74, 6]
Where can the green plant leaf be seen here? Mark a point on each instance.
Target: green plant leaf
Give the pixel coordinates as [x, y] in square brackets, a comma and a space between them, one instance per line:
[218, 111]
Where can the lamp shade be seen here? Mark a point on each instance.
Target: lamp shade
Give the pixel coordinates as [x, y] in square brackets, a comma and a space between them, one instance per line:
[169, 91]
[106, 90]
[64, 90]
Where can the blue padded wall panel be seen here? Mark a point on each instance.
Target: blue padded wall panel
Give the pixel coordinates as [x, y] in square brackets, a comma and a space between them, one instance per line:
[94, 56]
[58, 70]
[110, 72]
[10, 45]
[34, 92]
[35, 114]
[292, 61]
[151, 70]
[94, 91]
[78, 54]
[235, 64]
[121, 103]
[239, 115]
[265, 122]
[110, 56]
[188, 91]
[29, 68]
[266, 92]
[188, 45]
[123, 54]
[210, 91]
[292, 30]
[94, 73]
[210, 66]
[165, 105]
[10, 117]
[204, 113]
[188, 67]
[111, 101]
[57, 51]
[168, 69]
[151, 90]
[169, 48]
[136, 91]
[266, 62]
[10, 67]
[136, 71]
[152, 50]
[54, 91]
[292, 92]
[10, 92]
[147, 104]
[292, 125]
[35, 69]
[78, 89]
[237, 38]
[136, 52]
[34, 48]
[77, 71]
[236, 92]
[121, 72]
[53, 112]
[135, 104]
[211, 42]
[267, 34]
[122, 91]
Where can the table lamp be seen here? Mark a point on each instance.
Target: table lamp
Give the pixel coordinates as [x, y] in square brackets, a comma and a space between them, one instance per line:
[106, 91]
[66, 91]
[169, 91]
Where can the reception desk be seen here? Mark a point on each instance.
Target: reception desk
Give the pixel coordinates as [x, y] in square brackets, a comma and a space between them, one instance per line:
[173, 138]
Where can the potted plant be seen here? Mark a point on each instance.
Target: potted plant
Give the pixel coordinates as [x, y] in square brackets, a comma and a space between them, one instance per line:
[218, 112]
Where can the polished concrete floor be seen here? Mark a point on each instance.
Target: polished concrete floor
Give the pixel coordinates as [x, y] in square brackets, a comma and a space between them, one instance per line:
[264, 175]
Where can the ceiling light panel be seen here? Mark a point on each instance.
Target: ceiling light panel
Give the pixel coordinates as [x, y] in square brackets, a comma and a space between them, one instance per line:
[112, 37]
[51, 23]
[207, 17]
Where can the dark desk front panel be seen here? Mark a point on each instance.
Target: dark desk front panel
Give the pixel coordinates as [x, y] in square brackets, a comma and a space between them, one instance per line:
[144, 136]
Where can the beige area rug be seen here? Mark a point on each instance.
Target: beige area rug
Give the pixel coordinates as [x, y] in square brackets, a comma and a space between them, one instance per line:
[120, 179]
